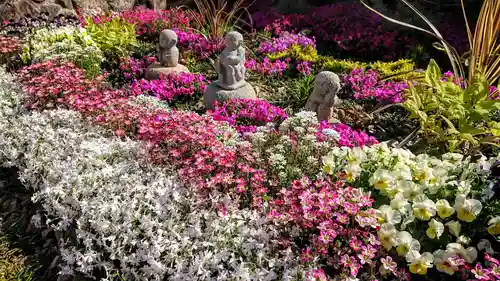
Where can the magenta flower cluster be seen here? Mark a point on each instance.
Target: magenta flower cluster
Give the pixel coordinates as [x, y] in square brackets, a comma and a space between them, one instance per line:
[284, 42]
[305, 67]
[135, 69]
[196, 43]
[268, 67]
[346, 135]
[246, 114]
[170, 86]
[367, 84]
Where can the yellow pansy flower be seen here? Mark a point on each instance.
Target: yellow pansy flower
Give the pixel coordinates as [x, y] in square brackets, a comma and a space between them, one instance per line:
[444, 209]
[444, 263]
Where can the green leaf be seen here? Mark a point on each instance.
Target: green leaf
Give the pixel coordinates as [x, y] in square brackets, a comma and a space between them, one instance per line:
[433, 74]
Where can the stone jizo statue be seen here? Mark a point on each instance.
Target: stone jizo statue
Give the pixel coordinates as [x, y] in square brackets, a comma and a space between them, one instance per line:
[324, 96]
[231, 63]
[231, 71]
[168, 55]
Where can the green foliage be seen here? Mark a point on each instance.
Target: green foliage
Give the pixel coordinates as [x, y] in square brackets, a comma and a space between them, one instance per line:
[400, 70]
[115, 37]
[338, 66]
[64, 44]
[296, 52]
[452, 117]
[290, 94]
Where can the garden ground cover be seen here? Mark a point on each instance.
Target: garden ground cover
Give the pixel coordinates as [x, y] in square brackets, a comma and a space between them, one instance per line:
[256, 189]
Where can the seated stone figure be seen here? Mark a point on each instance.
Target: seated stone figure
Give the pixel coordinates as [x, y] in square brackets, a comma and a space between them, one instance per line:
[231, 73]
[168, 55]
[324, 96]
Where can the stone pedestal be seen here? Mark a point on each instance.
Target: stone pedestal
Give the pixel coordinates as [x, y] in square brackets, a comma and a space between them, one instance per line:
[215, 93]
[154, 71]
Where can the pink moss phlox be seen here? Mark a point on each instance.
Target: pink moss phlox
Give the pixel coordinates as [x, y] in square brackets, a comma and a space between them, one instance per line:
[367, 84]
[135, 68]
[246, 114]
[268, 67]
[171, 86]
[347, 136]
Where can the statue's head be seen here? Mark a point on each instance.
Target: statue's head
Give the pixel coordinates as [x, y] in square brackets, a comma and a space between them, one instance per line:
[168, 39]
[233, 39]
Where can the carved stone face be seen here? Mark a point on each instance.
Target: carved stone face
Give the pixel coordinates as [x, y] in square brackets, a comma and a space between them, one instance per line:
[233, 40]
[168, 39]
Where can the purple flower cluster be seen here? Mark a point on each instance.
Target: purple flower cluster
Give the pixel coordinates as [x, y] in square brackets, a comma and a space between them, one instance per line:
[171, 86]
[285, 42]
[347, 136]
[268, 67]
[305, 67]
[246, 114]
[367, 84]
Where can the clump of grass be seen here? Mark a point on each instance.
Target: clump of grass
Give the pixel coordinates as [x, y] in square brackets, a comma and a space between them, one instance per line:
[215, 18]
[14, 266]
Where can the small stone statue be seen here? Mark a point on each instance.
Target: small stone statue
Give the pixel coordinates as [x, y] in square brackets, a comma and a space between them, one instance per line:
[168, 55]
[231, 63]
[231, 73]
[324, 96]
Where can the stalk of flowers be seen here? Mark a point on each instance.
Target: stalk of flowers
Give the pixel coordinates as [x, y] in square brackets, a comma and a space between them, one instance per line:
[367, 84]
[246, 114]
[414, 193]
[268, 67]
[171, 86]
[335, 224]
[135, 69]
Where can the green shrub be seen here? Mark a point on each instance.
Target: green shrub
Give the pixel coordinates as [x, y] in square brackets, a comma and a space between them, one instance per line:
[451, 117]
[404, 67]
[115, 37]
[64, 44]
[338, 66]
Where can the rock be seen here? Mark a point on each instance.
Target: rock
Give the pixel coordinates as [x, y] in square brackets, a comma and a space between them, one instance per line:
[215, 93]
[154, 71]
[52, 10]
[324, 96]
[231, 72]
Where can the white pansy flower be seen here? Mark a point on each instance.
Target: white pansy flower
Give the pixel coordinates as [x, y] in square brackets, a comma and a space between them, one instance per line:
[467, 209]
[435, 229]
[400, 203]
[382, 180]
[469, 254]
[444, 262]
[454, 227]
[444, 209]
[419, 263]
[387, 236]
[423, 208]
[385, 214]
[405, 243]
